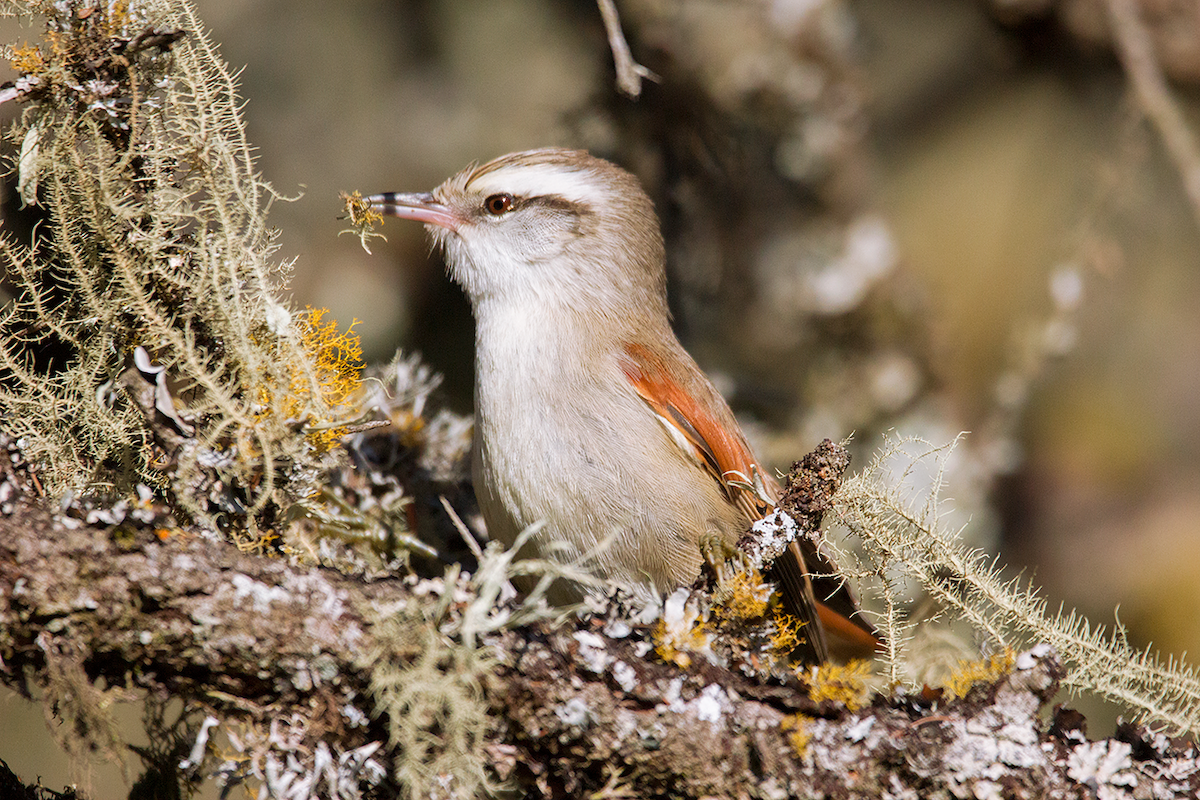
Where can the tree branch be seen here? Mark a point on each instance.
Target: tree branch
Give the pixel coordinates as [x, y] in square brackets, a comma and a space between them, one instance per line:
[1136, 50]
[629, 72]
[575, 708]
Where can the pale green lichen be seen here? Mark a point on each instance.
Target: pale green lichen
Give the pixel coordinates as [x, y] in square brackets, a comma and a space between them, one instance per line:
[905, 540]
[154, 235]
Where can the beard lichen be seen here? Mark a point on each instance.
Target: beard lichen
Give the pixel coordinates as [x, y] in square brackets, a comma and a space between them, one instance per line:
[149, 230]
[428, 686]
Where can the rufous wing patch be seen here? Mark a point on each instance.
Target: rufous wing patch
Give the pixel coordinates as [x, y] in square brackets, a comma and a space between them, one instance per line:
[724, 454]
[721, 451]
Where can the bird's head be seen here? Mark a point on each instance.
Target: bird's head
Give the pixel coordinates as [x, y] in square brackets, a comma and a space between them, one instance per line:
[550, 225]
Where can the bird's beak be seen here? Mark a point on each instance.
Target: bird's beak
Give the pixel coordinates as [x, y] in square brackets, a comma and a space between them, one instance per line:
[420, 206]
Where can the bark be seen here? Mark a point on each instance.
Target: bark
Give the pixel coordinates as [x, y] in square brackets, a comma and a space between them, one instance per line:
[583, 707]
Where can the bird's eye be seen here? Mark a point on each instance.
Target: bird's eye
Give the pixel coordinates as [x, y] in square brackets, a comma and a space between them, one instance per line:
[498, 204]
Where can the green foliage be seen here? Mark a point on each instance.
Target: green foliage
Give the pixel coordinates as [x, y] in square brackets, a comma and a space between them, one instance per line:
[905, 540]
[154, 235]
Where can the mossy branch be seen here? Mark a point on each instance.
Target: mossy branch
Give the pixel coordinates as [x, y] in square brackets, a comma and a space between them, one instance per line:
[284, 664]
[155, 235]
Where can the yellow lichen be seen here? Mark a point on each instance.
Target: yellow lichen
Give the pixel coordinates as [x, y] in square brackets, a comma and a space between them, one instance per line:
[28, 60]
[786, 636]
[741, 594]
[320, 391]
[684, 629]
[114, 21]
[363, 218]
[255, 542]
[985, 670]
[675, 649]
[336, 358]
[796, 726]
[845, 684]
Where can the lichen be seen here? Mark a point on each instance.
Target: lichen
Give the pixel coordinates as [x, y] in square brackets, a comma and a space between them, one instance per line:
[741, 594]
[905, 541]
[363, 218]
[683, 630]
[155, 237]
[844, 684]
[329, 378]
[785, 634]
[796, 726]
[969, 673]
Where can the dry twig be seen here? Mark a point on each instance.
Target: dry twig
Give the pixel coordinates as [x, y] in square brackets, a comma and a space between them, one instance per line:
[1136, 51]
[629, 72]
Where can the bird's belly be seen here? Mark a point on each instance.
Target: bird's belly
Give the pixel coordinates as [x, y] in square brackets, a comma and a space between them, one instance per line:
[573, 478]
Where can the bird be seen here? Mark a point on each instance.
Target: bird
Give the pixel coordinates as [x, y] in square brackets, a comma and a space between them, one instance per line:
[591, 418]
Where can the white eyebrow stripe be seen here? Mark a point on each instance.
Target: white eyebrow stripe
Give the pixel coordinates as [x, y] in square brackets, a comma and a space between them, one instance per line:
[541, 179]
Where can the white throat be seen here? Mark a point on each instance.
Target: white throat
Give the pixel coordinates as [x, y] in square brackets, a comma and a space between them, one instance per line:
[525, 339]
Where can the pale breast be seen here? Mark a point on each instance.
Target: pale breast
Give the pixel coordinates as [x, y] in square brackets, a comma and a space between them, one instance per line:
[548, 449]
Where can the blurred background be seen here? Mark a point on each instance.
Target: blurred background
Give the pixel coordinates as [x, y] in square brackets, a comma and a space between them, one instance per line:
[932, 216]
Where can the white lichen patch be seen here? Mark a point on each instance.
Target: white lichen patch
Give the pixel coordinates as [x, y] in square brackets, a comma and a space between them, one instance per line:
[712, 705]
[617, 629]
[354, 716]
[859, 730]
[773, 534]
[575, 713]
[1030, 658]
[1104, 767]
[624, 675]
[1004, 735]
[259, 595]
[330, 625]
[824, 747]
[593, 653]
[672, 697]
[682, 631]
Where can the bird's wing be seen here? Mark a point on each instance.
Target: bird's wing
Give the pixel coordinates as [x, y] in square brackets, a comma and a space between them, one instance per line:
[718, 446]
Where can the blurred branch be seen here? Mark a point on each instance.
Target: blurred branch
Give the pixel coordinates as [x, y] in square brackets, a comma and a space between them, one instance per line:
[1136, 50]
[629, 72]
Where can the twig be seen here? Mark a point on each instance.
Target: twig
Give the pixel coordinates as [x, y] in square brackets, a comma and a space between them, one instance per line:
[629, 72]
[462, 528]
[1136, 51]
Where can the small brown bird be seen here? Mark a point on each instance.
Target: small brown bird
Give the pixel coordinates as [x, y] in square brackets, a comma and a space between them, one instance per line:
[589, 414]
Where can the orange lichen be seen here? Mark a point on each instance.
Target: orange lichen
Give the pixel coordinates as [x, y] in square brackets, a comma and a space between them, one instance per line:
[786, 635]
[28, 60]
[363, 218]
[684, 629]
[259, 543]
[337, 356]
[116, 18]
[318, 391]
[796, 726]
[741, 595]
[359, 210]
[985, 670]
[674, 648]
[845, 684]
